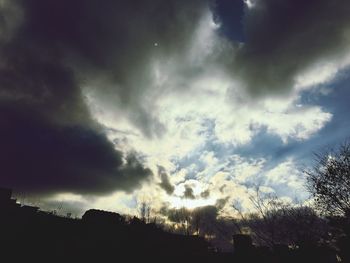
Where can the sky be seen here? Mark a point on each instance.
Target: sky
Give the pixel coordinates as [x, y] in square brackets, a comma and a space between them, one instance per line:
[108, 104]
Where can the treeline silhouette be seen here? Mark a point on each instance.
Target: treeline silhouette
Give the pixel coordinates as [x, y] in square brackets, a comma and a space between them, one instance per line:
[27, 233]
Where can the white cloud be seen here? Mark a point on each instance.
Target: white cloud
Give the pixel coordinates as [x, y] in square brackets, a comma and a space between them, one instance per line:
[286, 173]
[320, 73]
[209, 158]
[299, 123]
[244, 169]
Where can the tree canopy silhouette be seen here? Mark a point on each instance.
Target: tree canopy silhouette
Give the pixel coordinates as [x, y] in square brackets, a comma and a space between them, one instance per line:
[329, 180]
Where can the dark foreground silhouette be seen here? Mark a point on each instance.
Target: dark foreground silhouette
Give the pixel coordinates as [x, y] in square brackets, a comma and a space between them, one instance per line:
[31, 235]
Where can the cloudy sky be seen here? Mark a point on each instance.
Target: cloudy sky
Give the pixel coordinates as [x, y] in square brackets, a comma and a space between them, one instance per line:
[107, 104]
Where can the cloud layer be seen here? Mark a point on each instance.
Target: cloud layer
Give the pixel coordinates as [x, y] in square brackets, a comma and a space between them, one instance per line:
[285, 38]
[49, 141]
[92, 93]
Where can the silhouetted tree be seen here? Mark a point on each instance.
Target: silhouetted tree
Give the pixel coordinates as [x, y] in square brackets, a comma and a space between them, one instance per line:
[264, 221]
[145, 212]
[183, 216]
[277, 222]
[329, 181]
[301, 226]
[204, 220]
[196, 222]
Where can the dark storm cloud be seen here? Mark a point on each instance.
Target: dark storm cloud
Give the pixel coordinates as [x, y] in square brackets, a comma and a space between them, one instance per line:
[285, 37]
[188, 193]
[39, 156]
[49, 142]
[165, 183]
[110, 44]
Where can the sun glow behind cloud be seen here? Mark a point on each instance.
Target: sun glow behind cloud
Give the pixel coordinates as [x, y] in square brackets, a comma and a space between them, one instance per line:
[177, 202]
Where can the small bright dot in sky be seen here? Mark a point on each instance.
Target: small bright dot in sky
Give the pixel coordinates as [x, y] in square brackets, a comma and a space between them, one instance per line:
[156, 44]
